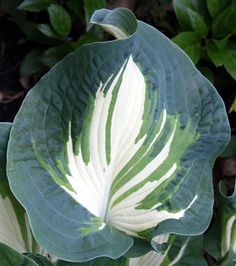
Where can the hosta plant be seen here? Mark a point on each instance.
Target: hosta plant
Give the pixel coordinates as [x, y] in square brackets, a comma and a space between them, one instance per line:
[111, 153]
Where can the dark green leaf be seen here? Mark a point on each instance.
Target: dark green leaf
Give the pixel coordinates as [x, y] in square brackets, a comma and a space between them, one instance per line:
[215, 6]
[91, 5]
[35, 5]
[10, 257]
[225, 22]
[212, 241]
[221, 44]
[54, 54]
[31, 63]
[215, 55]
[207, 72]
[60, 19]
[77, 7]
[97, 262]
[198, 23]
[39, 260]
[190, 43]
[230, 59]
[47, 30]
[180, 8]
[230, 150]
[4, 135]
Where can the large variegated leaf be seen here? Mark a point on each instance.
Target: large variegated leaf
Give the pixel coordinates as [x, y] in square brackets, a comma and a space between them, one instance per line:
[14, 225]
[220, 241]
[116, 143]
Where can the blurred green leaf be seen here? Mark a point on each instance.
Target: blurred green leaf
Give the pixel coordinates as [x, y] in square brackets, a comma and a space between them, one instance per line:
[39, 260]
[31, 63]
[76, 6]
[180, 8]
[215, 6]
[51, 56]
[221, 44]
[97, 262]
[11, 257]
[230, 150]
[190, 42]
[225, 22]
[207, 72]
[60, 19]
[212, 241]
[215, 55]
[230, 59]
[233, 109]
[198, 23]
[35, 5]
[91, 5]
[47, 30]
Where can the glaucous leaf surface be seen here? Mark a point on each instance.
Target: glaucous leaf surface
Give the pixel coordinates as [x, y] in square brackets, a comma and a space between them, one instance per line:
[116, 143]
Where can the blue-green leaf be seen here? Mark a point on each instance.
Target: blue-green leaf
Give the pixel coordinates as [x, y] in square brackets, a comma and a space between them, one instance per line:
[116, 143]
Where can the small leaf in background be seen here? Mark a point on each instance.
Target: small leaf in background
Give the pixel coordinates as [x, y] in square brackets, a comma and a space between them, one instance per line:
[35, 5]
[47, 30]
[60, 19]
[207, 72]
[91, 5]
[233, 109]
[230, 150]
[225, 22]
[215, 6]
[220, 44]
[198, 23]
[85, 38]
[31, 63]
[180, 8]
[215, 55]
[51, 56]
[230, 59]
[76, 6]
[190, 42]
